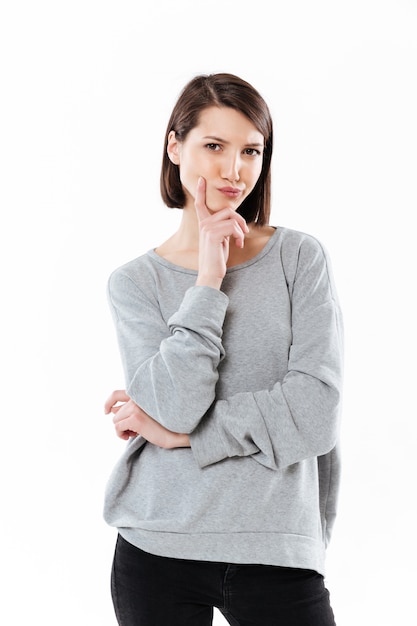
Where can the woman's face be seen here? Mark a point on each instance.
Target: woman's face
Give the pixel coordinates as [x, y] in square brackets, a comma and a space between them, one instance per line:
[226, 149]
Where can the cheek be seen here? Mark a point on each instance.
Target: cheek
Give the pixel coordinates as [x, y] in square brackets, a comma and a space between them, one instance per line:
[191, 169]
[253, 177]
[189, 180]
[258, 172]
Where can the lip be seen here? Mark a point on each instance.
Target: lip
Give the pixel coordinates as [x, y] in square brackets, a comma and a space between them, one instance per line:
[230, 192]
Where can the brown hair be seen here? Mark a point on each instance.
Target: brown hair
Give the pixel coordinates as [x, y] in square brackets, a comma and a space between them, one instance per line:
[223, 90]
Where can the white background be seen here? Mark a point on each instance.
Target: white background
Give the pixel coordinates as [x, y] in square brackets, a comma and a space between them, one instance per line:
[86, 91]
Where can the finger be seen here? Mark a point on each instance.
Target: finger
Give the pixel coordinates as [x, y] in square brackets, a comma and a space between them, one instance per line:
[239, 236]
[124, 424]
[119, 395]
[125, 434]
[122, 412]
[224, 226]
[200, 200]
[228, 214]
[239, 229]
[242, 223]
[125, 427]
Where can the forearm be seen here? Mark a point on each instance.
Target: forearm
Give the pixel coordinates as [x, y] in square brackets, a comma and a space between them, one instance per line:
[296, 419]
[171, 367]
[270, 426]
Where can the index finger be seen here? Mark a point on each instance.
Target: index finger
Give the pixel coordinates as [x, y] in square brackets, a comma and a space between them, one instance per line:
[200, 200]
[119, 395]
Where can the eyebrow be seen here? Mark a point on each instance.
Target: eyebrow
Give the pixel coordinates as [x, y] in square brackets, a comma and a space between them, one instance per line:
[220, 140]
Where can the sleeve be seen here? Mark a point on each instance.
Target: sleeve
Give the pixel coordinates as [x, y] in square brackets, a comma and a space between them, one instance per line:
[170, 367]
[299, 417]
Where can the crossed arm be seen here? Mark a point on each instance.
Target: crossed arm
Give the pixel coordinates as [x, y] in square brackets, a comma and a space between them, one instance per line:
[296, 419]
[215, 232]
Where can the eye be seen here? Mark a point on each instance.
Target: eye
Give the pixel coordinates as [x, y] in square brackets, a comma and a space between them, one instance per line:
[214, 147]
[252, 152]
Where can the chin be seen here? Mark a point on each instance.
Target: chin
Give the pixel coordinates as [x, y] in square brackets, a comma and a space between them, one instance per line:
[214, 207]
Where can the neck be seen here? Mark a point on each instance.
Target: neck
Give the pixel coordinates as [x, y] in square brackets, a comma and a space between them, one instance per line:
[187, 235]
[182, 247]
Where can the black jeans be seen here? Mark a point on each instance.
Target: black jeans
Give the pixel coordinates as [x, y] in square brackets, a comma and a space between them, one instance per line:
[150, 590]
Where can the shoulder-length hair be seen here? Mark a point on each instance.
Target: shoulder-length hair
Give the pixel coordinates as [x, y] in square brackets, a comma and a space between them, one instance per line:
[222, 90]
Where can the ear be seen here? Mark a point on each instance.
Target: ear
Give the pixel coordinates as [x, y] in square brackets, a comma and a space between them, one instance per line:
[172, 148]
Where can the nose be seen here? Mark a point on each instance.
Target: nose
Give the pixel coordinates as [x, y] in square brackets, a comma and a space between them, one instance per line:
[231, 168]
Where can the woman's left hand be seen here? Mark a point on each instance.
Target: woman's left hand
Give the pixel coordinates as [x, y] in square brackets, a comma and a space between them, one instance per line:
[130, 420]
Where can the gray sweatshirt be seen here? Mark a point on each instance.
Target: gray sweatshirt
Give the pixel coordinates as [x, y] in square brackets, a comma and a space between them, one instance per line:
[253, 373]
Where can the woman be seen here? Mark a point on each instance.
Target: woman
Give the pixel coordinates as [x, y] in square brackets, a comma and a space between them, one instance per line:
[231, 339]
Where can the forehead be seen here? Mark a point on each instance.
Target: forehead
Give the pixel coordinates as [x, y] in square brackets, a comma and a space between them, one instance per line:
[228, 124]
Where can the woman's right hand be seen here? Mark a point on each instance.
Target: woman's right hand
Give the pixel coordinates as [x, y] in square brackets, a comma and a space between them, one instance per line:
[130, 420]
[216, 229]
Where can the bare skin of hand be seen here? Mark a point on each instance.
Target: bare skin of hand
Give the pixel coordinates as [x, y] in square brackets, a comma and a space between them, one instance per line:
[130, 421]
[215, 233]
